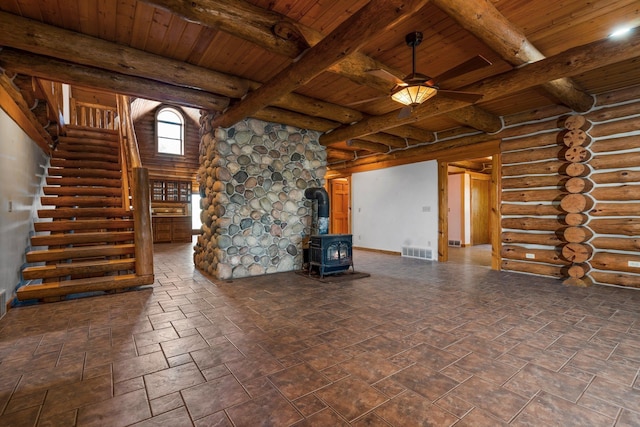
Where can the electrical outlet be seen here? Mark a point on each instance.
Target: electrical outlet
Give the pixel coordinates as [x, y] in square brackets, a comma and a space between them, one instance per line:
[530, 256]
[633, 263]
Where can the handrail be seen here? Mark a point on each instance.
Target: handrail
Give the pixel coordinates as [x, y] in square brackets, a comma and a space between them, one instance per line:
[54, 97]
[93, 115]
[139, 189]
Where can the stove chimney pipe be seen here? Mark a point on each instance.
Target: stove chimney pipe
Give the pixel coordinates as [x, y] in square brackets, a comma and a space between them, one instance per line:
[320, 195]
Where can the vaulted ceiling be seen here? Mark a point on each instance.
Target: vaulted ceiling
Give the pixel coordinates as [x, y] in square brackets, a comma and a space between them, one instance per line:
[309, 63]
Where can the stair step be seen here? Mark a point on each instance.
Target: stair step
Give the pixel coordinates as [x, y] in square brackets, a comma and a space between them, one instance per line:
[86, 201]
[82, 164]
[81, 238]
[91, 284]
[85, 173]
[76, 268]
[92, 148]
[83, 191]
[89, 132]
[80, 252]
[83, 182]
[93, 139]
[84, 224]
[84, 155]
[67, 213]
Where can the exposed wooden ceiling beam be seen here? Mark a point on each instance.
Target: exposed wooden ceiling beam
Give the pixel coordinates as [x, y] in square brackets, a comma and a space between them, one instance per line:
[483, 20]
[340, 154]
[12, 102]
[348, 37]
[374, 147]
[62, 71]
[43, 39]
[262, 27]
[387, 139]
[574, 61]
[280, 34]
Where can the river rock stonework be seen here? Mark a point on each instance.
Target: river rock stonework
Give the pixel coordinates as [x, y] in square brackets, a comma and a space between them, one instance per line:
[252, 179]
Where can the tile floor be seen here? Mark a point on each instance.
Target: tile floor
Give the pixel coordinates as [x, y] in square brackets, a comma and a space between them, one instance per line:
[415, 344]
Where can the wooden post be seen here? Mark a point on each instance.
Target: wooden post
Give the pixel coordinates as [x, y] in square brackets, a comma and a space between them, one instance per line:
[143, 238]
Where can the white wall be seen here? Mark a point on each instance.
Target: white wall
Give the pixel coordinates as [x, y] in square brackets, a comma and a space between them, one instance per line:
[22, 166]
[396, 207]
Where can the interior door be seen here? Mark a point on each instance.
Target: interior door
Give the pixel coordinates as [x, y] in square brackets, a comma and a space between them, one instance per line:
[339, 205]
[480, 205]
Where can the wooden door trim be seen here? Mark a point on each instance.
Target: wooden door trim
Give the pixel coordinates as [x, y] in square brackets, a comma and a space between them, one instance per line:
[491, 149]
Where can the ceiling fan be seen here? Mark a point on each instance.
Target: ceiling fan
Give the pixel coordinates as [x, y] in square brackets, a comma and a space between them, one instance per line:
[416, 88]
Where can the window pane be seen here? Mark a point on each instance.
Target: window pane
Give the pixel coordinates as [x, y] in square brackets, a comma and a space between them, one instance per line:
[169, 130]
[169, 116]
[169, 146]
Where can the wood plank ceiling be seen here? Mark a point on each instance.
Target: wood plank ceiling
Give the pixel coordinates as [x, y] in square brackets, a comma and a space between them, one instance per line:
[307, 62]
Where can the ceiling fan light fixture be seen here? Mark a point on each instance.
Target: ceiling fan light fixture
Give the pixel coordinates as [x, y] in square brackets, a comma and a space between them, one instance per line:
[413, 94]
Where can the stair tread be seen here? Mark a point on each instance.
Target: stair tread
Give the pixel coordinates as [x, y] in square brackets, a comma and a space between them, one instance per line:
[85, 164]
[84, 212]
[83, 155]
[80, 252]
[67, 287]
[84, 173]
[81, 238]
[80, 201]
[83, 182]
[78, 267]
[84, 224]
[77, 147]
[82, 191]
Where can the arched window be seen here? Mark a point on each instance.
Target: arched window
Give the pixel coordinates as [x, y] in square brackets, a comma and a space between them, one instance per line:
[170, 131]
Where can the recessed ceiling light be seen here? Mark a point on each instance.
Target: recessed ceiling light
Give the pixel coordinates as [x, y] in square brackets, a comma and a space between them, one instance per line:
[619, 32]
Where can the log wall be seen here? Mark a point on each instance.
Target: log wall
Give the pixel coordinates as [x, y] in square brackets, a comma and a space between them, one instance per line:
[165, 166]
[571, 195]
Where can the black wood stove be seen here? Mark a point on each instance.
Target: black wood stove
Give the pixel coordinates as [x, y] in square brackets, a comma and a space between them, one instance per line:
[330, 253]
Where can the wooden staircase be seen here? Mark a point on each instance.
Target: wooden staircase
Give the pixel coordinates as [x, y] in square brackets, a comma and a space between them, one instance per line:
[87, 228]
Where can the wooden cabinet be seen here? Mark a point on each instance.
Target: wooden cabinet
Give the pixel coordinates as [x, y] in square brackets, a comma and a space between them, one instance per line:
[171, 229]
[170, 191]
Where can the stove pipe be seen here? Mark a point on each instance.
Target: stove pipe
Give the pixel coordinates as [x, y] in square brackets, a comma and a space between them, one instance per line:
[320, 195]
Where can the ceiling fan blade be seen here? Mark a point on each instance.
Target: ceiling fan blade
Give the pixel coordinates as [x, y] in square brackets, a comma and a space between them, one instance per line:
[384, 74]
[405, 112]
[460, 96]
[473, 64]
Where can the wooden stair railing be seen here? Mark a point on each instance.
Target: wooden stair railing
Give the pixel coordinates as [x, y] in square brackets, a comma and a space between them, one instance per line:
[99, 234]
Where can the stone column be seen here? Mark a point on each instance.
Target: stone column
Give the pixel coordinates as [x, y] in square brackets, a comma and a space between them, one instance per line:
[252, 179]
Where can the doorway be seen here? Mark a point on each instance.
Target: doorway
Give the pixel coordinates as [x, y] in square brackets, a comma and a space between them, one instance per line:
[480, 222]
[340, 206]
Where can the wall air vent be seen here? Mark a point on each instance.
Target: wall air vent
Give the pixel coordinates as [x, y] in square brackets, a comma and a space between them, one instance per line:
[455, 243]
[421, 253]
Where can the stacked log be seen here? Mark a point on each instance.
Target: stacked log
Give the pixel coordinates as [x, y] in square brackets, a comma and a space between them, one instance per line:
[615, 216]
[577, 201]
[532, 188]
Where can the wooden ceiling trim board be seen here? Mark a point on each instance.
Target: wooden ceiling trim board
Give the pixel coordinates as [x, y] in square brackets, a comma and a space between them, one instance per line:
[582, 59]
[349, 36]
[489, 25]
[124, 18]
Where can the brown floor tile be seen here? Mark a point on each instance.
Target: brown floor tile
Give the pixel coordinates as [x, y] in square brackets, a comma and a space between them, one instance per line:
[268, 409]
[351, 397]
[546, 409]
[137, 366]
[463, 336]
[411, 406]
[213, 396]
[121, 410]
[171, 380]
[298, 380]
